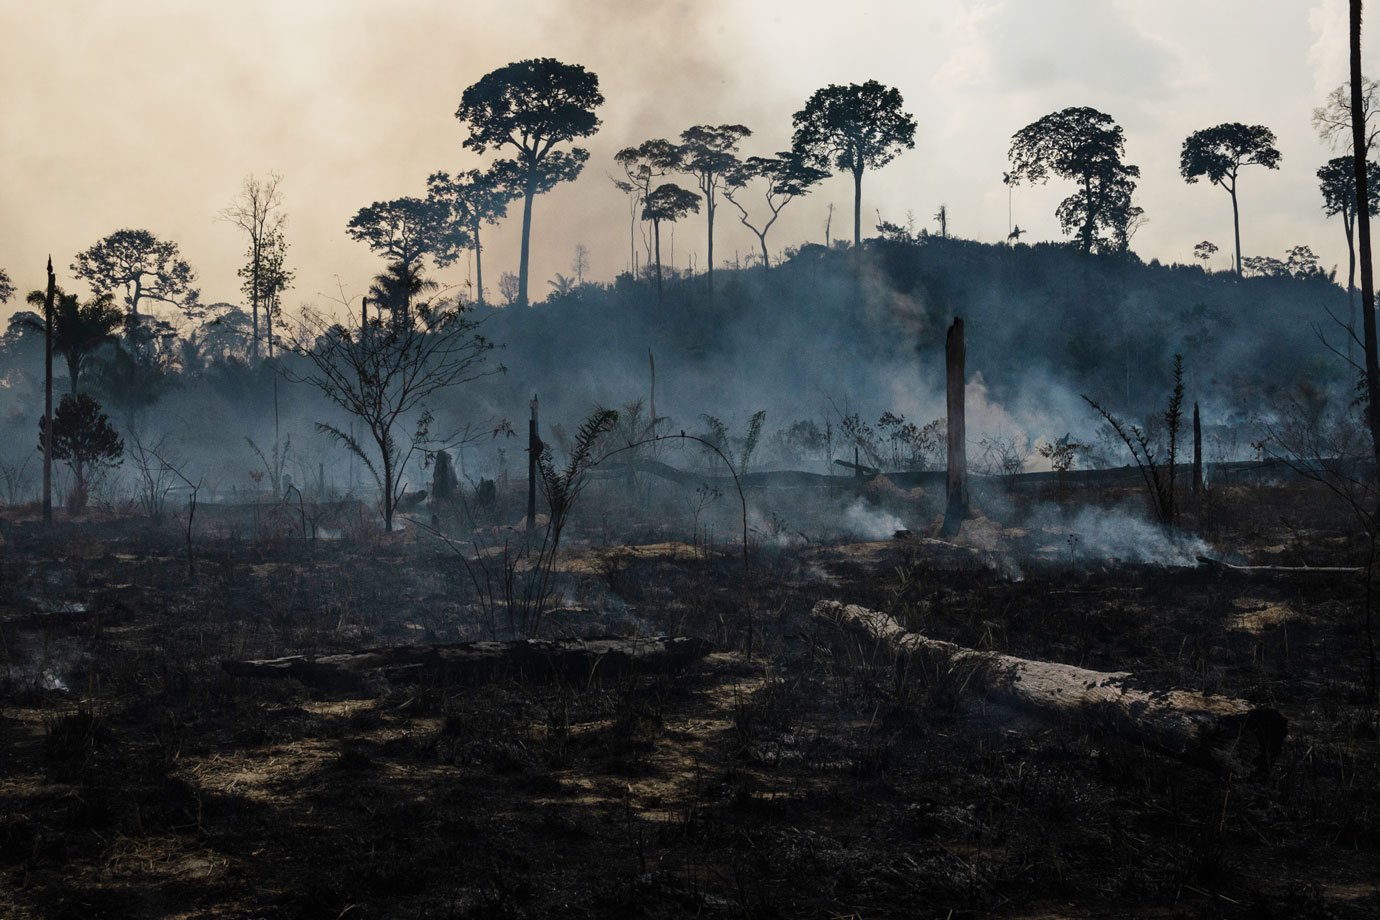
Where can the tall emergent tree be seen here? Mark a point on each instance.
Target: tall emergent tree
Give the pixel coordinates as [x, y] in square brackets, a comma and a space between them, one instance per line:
[269, 281]
[258, 211]
[1219, 153]
[84, 438]
[472, 199]
[383, 374]
[853, 128]
[1359, 146]
[1337, 182]
[405, 231]
[79, 329]
[785, 177]
[532, 106]
[667, 202]
[1085, 146]
[144, 267]
[642, 166]
[709, 153]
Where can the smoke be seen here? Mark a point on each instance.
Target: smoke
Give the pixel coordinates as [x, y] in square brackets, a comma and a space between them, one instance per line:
[860, 520]
[1111, 535]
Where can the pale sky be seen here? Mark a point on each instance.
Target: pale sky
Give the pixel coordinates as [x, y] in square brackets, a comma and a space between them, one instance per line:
[149, 113]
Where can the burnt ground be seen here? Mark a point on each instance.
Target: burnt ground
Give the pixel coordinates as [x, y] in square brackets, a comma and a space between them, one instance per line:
[809, 780]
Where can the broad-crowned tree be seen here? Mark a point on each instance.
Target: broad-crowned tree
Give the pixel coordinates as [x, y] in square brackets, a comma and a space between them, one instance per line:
[471, 199]
[709, 153]
[667, 202]
[782, 179]
[405, 231]
[532, 106]
[1219, 153]
[1084, 146]
[84, 439]
[143, 268]
[852, 129]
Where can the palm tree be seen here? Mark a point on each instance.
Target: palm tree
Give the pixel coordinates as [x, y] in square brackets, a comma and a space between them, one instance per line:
[79, 329]
[396, 288]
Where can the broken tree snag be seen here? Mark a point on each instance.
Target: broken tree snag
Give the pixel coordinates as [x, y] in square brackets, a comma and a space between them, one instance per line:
[573, 660]
[1217, 565]
[957, 508]
[1221, 733]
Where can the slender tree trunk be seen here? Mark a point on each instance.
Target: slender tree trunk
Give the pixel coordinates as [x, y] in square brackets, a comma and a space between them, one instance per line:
[1358, 129]
[478, 267]
[387, 487]
[656, 237]
[254, 296]
[1236, 227]
[73, 372]
[857, 210]
[709, 210]
[766, 260]
[1350, 226]
[526, 242]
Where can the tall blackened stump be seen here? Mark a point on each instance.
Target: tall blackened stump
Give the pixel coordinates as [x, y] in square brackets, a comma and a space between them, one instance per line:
[48, 394]
[533, 451]
[956, 508]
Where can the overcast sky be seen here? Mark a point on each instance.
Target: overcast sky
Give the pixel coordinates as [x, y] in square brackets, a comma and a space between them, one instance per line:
[149, 113]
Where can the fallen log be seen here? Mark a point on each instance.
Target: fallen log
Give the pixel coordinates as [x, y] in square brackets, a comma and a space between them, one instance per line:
[573, 660]
[1228, 735]
[1218, 565]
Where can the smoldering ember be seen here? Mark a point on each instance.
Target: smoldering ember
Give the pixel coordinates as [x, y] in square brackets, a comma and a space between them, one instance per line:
[657, 460]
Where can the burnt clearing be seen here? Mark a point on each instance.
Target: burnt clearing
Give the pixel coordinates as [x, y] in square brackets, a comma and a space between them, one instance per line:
[810, 778]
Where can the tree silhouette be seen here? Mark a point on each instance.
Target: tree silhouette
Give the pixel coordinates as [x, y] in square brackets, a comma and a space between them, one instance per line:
[1086, 146]
[1219, 153]
[79, 329]
[382, 374]
[532, 106]
[786, 177]
[1205, 251]
[405, 231]
[853, 128]
[1332, 119]
[472, 199]
[265, 278]
[710, 154]
[6, 287]
[84, 439]
[1359, 146]
[666, 202]
[144, 267]
[257, 210]
[1337, 183]
[642, 166]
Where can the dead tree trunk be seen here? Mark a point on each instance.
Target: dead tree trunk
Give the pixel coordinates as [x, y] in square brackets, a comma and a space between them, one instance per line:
[1220, 733]
[573, 660]
[957, 508]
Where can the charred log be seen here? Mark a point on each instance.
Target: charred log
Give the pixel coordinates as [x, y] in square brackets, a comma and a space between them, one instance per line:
[1224, 734]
